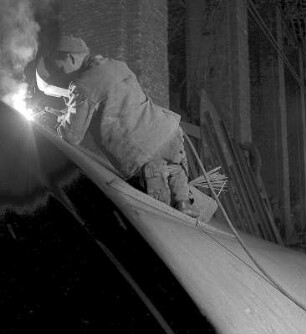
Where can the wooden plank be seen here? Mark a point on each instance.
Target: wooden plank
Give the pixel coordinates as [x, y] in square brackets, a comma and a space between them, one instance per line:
[212, 117]
[232, 192]
[285, 191]
[259, 210]
[208, 108]
[265, 220]
[191, 130]
[207, 155]
[263, 207]
[228, 198]
[209, 162]
[193, 169]
[248, 183]
[194, 132]
[197, 132]
[244, 206]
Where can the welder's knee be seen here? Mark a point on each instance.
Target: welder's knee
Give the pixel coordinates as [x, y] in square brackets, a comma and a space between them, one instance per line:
[156, 178]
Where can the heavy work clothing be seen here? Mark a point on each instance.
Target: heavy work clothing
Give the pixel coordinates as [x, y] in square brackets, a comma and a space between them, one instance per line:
[107, 103]
[131, 128]
[166, 174]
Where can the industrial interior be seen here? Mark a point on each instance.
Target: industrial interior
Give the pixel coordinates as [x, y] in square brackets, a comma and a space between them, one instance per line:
[234, 70]
[243, 58]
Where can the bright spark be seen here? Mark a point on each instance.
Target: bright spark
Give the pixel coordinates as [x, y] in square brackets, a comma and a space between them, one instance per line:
[17, 100]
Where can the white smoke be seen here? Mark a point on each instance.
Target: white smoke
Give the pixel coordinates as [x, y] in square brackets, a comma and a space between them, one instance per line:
[18, 42]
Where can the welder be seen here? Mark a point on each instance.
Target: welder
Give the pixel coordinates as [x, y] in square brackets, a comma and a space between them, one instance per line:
[107, 107]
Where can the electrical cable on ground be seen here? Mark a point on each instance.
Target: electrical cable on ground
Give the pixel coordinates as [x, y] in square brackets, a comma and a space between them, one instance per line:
[150, 306]
[235, 232]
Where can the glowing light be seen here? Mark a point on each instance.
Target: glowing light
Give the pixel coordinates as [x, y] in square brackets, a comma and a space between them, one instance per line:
[17, 100]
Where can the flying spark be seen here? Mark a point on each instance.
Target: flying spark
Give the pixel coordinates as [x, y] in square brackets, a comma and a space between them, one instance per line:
[17, 100]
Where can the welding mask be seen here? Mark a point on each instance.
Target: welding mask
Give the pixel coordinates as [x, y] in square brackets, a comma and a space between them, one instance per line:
[49, 80]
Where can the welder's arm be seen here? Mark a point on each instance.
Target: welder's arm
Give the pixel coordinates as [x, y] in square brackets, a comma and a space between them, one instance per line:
[74, 124]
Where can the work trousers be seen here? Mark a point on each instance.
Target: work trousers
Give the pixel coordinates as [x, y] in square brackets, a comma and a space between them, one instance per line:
[166, 175]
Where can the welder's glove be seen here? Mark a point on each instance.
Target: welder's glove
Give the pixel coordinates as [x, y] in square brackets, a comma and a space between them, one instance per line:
[74, 124]
[75, 98]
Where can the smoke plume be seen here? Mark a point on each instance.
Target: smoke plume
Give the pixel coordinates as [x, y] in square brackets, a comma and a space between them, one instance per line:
[18, 40]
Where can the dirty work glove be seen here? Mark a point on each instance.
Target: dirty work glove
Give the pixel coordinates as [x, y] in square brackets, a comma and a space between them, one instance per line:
[75, 98]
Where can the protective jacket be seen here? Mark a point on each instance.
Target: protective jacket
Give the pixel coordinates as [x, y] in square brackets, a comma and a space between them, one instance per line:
[107, 102]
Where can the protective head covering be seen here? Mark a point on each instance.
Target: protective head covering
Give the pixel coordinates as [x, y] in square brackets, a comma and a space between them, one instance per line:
[51, 81]
[47, 81]
[69, 43]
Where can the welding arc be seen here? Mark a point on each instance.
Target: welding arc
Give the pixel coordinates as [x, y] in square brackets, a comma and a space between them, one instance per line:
[271, 280]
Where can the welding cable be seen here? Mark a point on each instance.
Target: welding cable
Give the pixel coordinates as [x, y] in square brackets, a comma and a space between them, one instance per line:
[279, 50]
[271, 280]
[235, 232]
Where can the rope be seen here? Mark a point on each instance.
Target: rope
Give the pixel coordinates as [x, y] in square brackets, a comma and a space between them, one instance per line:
[240, 240]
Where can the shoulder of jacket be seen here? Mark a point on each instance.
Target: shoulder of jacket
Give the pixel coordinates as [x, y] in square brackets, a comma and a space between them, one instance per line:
[100, 60]
[96, 61]
[101, 68]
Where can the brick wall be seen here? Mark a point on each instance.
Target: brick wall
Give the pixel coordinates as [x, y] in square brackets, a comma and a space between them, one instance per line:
[132, 31]
[153, 48]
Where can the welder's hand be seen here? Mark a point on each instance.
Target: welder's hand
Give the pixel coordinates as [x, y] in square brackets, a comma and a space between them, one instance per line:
[62, 119]
[75, 97]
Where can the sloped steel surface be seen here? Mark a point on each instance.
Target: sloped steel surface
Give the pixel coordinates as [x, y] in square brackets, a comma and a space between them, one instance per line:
[207, 260]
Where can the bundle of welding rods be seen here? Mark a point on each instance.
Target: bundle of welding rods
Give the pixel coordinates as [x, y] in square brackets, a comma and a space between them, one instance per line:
[218, 181]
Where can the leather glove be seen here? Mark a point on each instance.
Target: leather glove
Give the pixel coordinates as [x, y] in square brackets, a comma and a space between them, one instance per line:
[75, 97]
